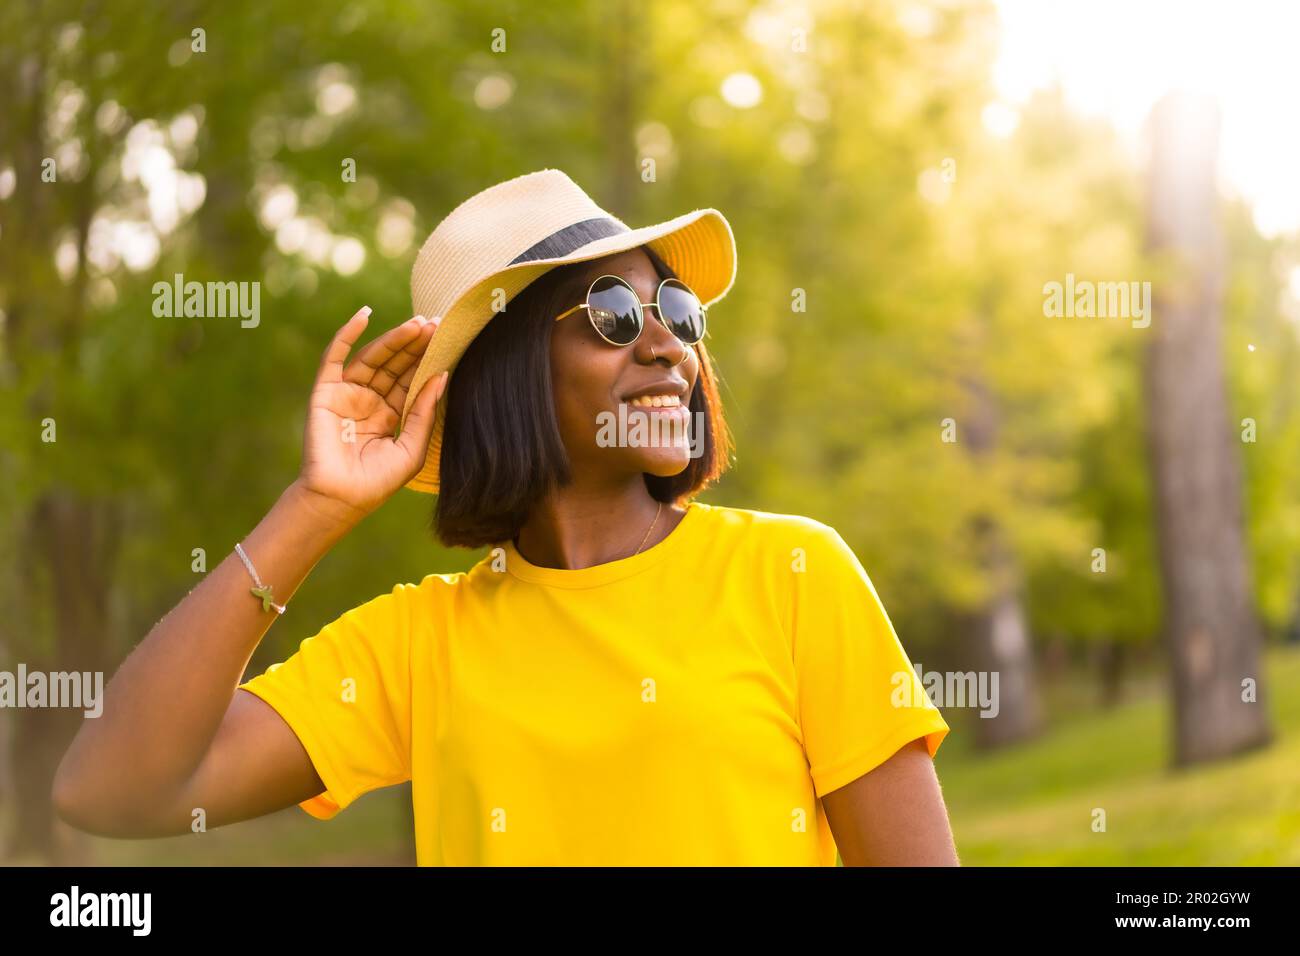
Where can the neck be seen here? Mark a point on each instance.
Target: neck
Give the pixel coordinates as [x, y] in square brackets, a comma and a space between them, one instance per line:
[581, 526]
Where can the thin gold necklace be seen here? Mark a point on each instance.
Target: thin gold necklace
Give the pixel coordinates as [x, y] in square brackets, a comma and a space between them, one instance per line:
[649, 529]
[658, 511]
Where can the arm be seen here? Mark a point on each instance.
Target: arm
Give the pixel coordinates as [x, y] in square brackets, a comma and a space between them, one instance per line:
[894, 815]
[175, 734]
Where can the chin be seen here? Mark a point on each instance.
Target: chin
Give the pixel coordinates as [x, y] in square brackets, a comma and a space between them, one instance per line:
[665, 462]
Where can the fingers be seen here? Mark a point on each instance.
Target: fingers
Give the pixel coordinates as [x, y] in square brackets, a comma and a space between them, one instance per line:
[331, 365]
[375, 356]
[395, 378]
[419, 423]
[396, 397]
[403, 361]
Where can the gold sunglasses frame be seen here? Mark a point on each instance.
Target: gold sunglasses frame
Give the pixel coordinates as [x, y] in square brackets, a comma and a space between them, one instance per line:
[642, 306]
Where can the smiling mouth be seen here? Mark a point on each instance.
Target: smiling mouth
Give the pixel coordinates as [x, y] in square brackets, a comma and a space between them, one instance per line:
[655, 401]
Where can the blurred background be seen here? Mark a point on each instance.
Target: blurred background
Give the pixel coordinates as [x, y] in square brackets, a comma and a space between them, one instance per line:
[1105, 513]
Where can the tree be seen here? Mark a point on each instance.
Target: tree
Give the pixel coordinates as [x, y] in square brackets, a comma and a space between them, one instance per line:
[1211, 625]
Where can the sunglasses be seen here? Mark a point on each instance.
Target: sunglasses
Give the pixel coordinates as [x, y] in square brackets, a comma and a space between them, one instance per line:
[618, 315]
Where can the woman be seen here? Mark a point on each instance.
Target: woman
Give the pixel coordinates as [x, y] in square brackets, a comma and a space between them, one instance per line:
[629, 676]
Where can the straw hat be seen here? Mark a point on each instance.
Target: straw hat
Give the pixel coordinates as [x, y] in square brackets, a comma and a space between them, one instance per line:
[496, 242]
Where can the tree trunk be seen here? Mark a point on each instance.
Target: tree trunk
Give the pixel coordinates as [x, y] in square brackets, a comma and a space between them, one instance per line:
[1211, 629]
[997, 636]
[619, 109]
[74, 542]
[1111, 657]
[66, 542]
[997, 641]
[7, 765]
[1291, 633]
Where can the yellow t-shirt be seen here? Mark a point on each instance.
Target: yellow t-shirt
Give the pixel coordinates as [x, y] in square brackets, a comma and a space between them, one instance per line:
[687, 705]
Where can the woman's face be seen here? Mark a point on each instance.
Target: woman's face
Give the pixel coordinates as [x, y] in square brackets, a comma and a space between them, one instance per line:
[604, 394]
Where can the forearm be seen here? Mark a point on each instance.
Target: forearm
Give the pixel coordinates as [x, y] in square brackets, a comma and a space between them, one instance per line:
[150, 754]
[163, 706]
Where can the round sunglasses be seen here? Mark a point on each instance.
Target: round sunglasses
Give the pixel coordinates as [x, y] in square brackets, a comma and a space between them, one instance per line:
[618, 314]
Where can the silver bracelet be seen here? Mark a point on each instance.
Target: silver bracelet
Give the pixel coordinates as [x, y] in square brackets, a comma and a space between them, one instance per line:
[262, 591]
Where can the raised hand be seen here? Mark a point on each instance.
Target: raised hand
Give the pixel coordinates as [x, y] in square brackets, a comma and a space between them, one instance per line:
[351, 462]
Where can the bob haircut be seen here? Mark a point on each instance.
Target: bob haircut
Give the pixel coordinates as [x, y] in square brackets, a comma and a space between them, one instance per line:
[501, 446]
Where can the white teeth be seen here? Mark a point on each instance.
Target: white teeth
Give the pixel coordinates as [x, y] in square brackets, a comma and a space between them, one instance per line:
[656, 401]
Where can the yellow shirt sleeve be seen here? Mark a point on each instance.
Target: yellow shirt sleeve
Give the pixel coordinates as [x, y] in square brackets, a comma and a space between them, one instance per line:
[346, 694]
[860, 701]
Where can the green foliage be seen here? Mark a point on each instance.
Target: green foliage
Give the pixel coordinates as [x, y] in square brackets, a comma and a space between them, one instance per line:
[862, 180]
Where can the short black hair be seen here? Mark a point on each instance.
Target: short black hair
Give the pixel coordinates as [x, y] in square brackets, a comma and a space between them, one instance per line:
[501, 449]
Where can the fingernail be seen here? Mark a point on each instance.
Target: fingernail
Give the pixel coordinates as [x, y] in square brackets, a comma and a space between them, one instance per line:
[365, 311]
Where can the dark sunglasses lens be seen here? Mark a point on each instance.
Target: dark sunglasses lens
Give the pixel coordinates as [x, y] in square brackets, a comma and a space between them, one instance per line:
[615, 310]
[681, 311]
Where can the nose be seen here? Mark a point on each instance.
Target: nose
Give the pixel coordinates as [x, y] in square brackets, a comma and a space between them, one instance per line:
[657, 344]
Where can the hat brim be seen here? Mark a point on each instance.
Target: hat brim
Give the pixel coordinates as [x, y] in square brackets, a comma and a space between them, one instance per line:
[699, 246]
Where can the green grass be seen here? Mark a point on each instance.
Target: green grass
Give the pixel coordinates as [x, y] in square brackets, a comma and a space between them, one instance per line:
[1033, 805]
